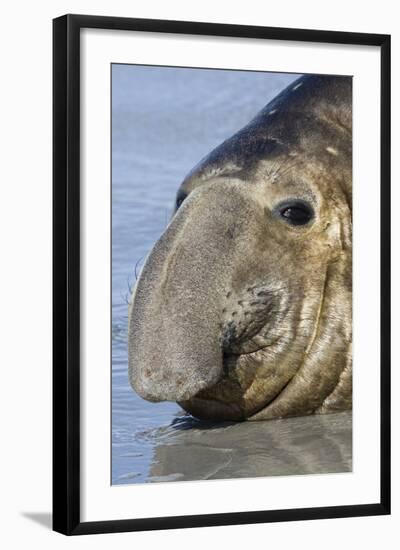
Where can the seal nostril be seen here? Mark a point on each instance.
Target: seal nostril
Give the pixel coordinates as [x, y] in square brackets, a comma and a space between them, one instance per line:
[180, 198]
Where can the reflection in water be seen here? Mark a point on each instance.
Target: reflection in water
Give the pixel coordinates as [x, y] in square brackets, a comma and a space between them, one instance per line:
[190, 449]
[306, 445]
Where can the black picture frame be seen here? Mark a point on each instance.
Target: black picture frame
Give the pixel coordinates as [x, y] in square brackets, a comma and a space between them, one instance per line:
[66, 273]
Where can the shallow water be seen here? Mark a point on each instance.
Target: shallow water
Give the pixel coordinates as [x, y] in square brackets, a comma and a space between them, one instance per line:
[163, 122]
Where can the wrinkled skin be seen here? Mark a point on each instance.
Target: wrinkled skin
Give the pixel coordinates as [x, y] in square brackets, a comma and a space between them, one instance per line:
[239, 314]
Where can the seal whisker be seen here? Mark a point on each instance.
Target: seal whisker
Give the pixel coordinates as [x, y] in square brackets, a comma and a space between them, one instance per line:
[136, 266]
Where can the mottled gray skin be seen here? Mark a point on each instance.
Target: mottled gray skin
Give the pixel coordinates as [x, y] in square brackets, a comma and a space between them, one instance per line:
[238, 314]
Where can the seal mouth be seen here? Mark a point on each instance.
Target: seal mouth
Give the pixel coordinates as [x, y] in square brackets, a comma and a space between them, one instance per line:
[212, 409]
[228, 399]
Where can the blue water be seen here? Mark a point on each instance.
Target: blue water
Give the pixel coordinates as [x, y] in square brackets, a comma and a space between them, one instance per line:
[164, 120]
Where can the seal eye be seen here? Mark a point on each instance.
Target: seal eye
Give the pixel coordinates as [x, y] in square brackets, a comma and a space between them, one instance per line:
[180, 198]
[296, 212]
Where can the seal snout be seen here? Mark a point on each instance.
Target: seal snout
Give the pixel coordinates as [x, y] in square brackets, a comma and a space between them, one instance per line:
[175, 348]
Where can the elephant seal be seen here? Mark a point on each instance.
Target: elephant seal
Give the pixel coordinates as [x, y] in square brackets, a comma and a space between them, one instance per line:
[243, 307]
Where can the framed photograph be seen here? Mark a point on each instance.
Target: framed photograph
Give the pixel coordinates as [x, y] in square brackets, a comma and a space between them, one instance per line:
[221, 274]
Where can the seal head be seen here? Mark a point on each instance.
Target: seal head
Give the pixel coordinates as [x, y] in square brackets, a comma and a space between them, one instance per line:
[243, 307]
